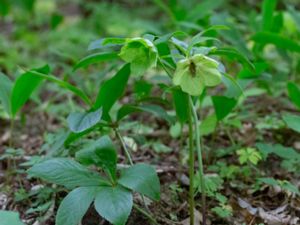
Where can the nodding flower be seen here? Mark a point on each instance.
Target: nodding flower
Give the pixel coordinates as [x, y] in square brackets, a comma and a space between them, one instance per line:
[140, 53]
[195, 73]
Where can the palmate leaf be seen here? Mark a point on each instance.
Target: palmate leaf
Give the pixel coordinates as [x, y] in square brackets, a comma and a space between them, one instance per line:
[101, 153]
[141, 178]
[114, 204]
[74, 205]
[66, 172]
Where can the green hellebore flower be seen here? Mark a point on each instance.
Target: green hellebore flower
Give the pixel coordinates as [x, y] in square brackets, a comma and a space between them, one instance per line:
[194, 73]
[141, 53]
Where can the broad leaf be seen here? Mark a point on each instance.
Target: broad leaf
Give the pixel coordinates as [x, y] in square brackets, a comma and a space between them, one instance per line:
[66, 172]
[62, 84]
[278, 40]
[9, 218]
[23, 88]
[268, 8]
[141, 178]
[5, 92]
[208, 125]
[79, 122]
[96, 58]
[74, 205]
[223, 106]
[292, 121]
[112, 89]
[233, 54]
[294, 93]
[101, 153]
[154, 109]
[181, 103]
[114, 204]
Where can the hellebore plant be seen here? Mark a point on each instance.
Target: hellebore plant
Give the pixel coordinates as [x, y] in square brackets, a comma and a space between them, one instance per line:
[193, 74]
[190, 68]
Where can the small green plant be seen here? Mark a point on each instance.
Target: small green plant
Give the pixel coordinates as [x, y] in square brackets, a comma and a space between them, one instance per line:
[111, 194]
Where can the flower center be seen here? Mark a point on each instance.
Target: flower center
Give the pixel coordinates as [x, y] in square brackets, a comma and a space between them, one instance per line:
[192, 68]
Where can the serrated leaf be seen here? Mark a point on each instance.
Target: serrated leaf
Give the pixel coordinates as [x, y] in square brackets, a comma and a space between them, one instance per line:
[114, 204]
[95, 58]
[23, 87]
[141, 178]
[66, 172]
[74, 205]
[101, 153]
[79, 122]
[9, 218]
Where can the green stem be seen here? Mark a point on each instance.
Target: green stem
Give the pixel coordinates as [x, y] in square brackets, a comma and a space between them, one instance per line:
[130, 160]
[200, 161]
[150, 217]
[124, 147]
[11, 131]
[191, 168]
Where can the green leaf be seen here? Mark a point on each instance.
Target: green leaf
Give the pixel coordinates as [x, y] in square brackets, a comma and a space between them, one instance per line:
[278, 40]
[268, 8]
[5, 92]
[101, 153]
[154, 109]
[208, 125]
[96, 58]
[66, 172]
[74, 205]
[223, 106]
[294, 93]
[112, 89]
[62, 84]
[292, 121]
[233, 54]
[23, 88]
[114, 204]
[181, 103]
[280, 150]
[141, 178]
[79, 122]
[10, 218]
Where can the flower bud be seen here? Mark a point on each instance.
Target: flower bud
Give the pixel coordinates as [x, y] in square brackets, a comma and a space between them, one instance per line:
[141, 53]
